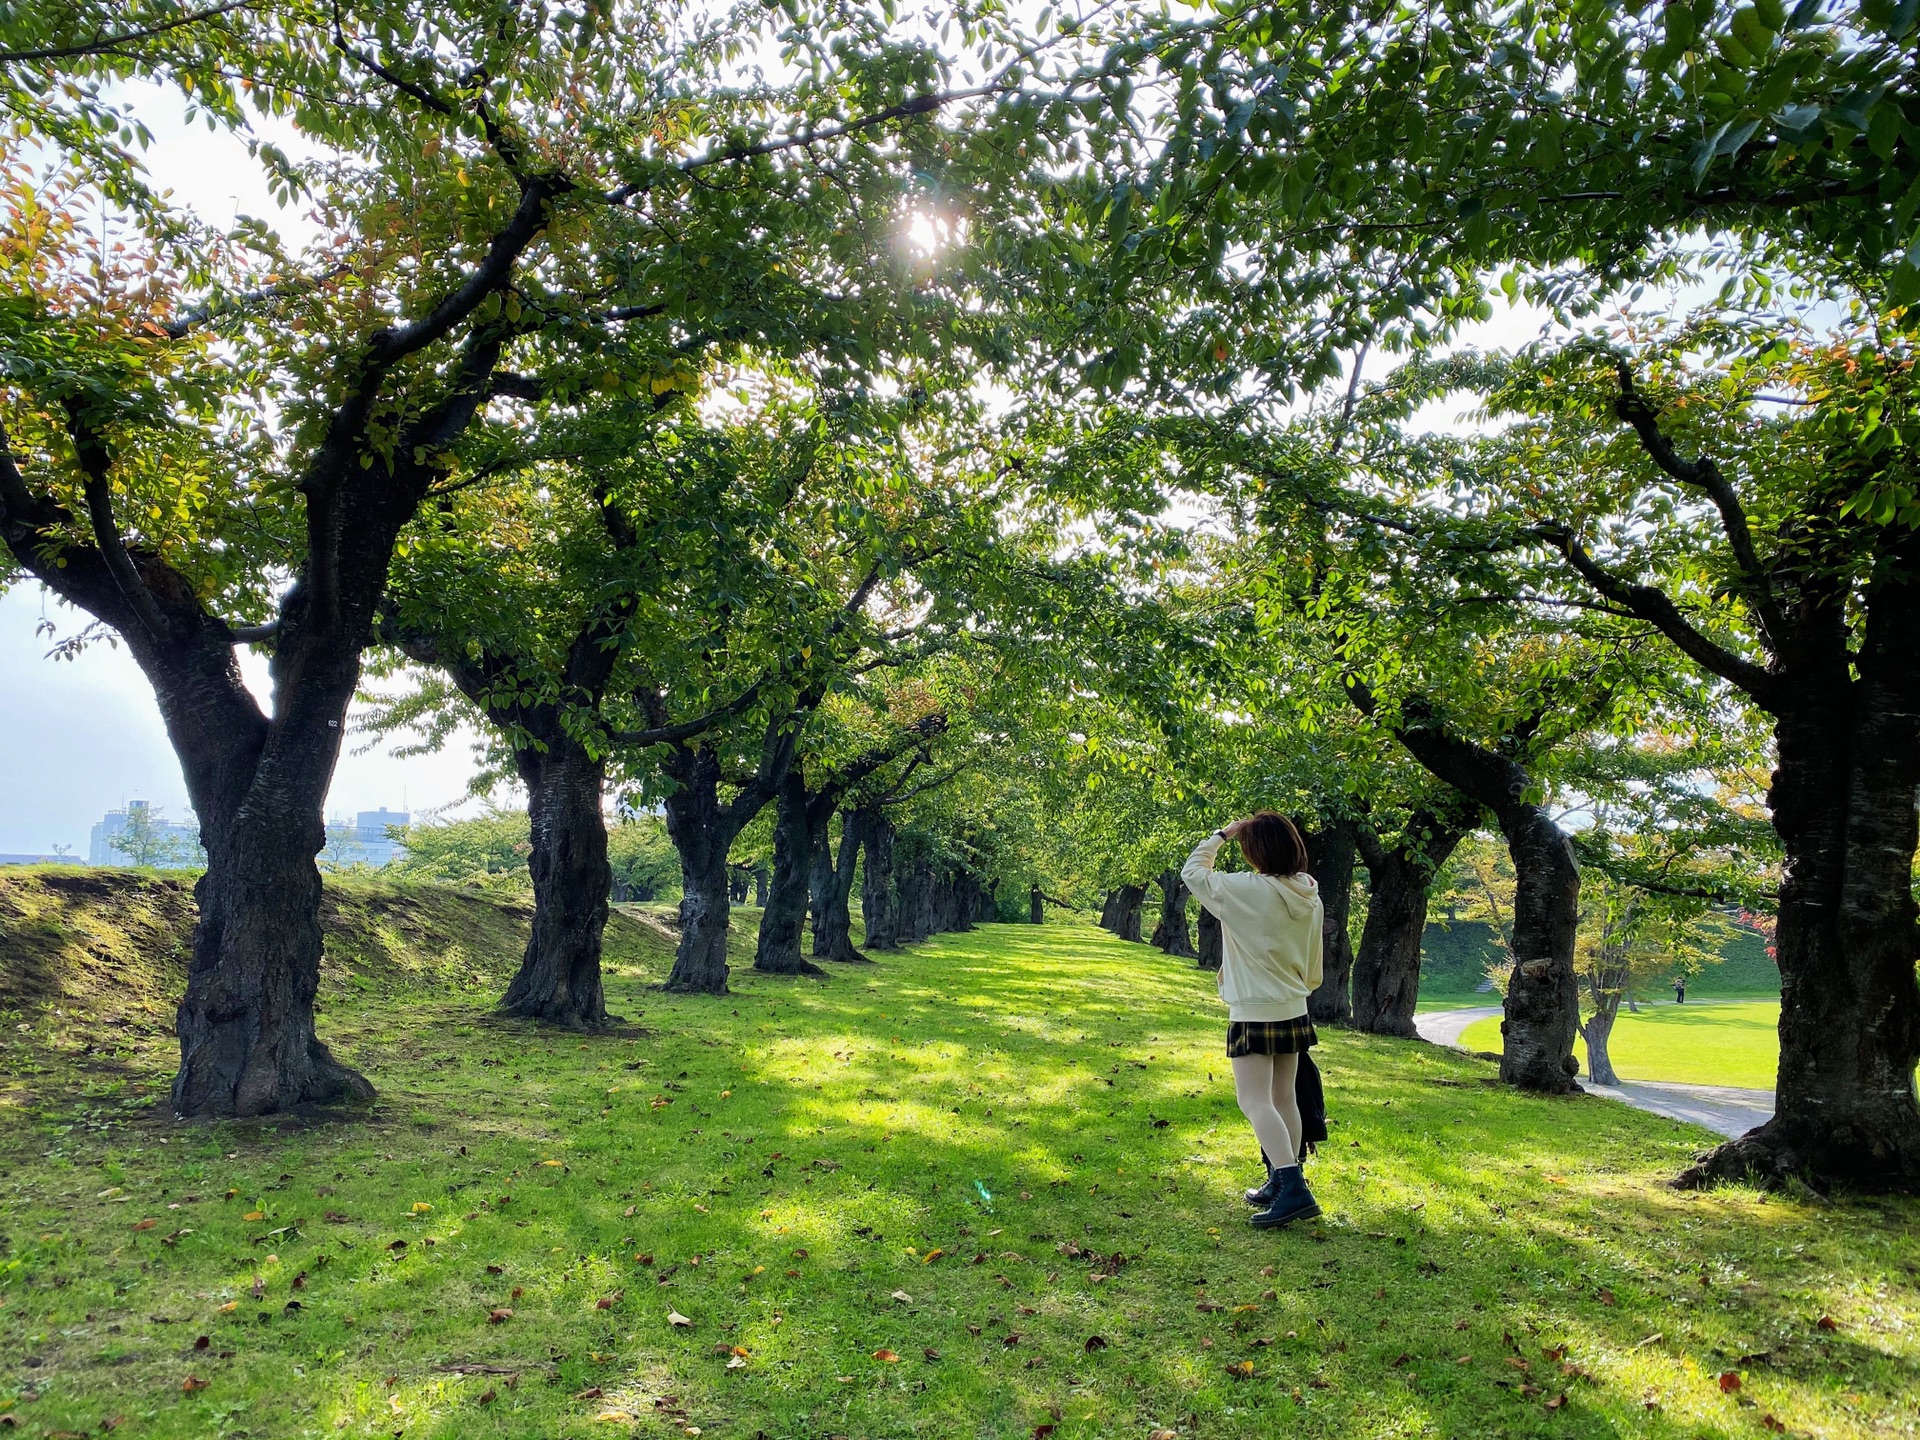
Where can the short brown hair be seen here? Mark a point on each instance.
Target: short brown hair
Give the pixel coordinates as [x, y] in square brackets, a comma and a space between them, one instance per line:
[1272, 845]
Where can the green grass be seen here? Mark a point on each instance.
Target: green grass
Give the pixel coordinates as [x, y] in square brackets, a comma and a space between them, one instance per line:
[1009, 1158]
[1707, 1042]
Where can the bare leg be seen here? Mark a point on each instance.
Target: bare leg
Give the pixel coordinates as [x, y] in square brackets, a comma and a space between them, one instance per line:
[1285, 1069]
[1253, 1087]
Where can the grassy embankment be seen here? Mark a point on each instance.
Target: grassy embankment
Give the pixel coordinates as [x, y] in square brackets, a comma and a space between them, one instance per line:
[982, 1189]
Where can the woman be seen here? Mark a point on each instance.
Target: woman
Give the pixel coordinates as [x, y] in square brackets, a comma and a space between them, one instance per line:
[1270, 962]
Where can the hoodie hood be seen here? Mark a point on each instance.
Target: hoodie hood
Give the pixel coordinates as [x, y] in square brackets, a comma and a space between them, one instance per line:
[1299, 892]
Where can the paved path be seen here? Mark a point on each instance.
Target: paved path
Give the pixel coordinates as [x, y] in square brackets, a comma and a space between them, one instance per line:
[1720, 1108]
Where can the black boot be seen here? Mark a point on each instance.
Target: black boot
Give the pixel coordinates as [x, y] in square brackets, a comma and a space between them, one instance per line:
[1292, 1201]
[1262, 1195]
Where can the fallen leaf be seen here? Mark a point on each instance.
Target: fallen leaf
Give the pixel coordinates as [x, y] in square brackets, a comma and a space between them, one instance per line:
[1729, 1381]
[1523, 1366]
[145, 1224]
[1606, 1297]
[1556, 1402]
[592, 1392]
[518, 1291]
[1462, 1359]
[254, 1215]
[1825, 1322]
[737, 1362]
[1403, 1358]
[1773, 1422]
[674, 1317]
[229, 1307]
[1163, 1435]
[931, 1353]
[489, 1395]
[931, 1256]
[1461, 1325]
[1096, 1342]
[903, 1297]
[1012, 1339]
[193, 1383]
[887, 1355]
[1241, 1369]
[555, 1164]
[1041, 1432]
[607, 1302]
[499, 1316]
[1554, 1352]
[496, 1269]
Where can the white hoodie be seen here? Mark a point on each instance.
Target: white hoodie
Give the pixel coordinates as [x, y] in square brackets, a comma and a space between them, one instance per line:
[1269, 932]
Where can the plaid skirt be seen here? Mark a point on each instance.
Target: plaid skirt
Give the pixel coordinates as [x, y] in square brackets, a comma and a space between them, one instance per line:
[1270, 1037]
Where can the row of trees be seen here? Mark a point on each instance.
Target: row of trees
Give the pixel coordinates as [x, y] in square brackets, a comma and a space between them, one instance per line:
[609, 390]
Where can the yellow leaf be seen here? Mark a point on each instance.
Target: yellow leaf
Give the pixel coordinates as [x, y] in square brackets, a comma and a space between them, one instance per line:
[931, 1256]
[420, 1207]
[254, 1215]
[556, 1164]
[886, 1355]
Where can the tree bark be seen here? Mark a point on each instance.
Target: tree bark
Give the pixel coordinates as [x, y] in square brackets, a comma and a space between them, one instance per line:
[1597, 1030]
[1036, 906]
[759, 885]
[1332, 854]
[879, 909]
[1842, 798]
[559, 978]
[1386, 972]
[1171, 933]
[696, 823]
[1110, 912]
[1127, 912]
[831, 887]
[1209, 940]
[739, 880]
[784, 919]
[1543, 994]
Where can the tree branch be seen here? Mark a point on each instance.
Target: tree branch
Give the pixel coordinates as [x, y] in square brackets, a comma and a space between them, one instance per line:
[108, 44]
[1655, 607]
[1640, 413]
[96, 465]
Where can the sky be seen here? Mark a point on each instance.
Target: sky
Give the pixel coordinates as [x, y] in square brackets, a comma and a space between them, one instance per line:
[85, 736]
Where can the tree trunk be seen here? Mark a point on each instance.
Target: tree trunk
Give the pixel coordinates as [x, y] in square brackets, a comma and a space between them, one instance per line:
[1843, 803]
[831, 885]
[1209, 940]
[1543, 994]
[759, 885]
[245, 1024]
[696, 824]
[879, 910]
[1036, 906]
[738, 881]
[1110, 912]
[1596, 1030]
[559, 979]
[1386, 972]
[1332, 853]
[784, 920]
[1171, 933]
[1127, 912]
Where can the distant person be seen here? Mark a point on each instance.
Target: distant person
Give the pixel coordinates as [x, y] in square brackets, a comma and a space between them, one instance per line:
[1270, 957]
[1679, 992]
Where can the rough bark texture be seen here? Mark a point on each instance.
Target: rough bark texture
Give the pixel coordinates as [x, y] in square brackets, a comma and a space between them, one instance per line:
[1332, 853]
[1110, 911]
[1597, 1030]
[1543, 992]
[1209, 940]
[1171, 932]
[759, 885]
[697, 825]
[739, 879]
[1843, 803]
[559, 978]
[1126, 911]
[879, 911]
[831, 889]
[1386, 971]
[784, 919]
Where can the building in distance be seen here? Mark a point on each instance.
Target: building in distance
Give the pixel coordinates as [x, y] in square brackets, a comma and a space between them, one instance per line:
[366, 840]
[142, 835]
